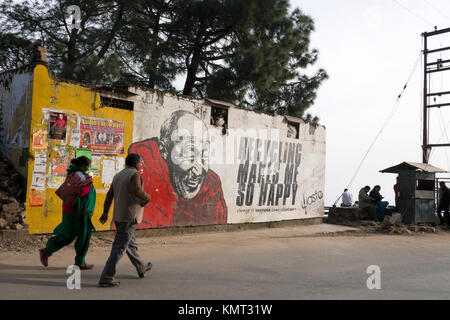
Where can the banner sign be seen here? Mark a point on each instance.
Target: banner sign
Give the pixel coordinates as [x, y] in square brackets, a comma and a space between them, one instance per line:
[102, 136]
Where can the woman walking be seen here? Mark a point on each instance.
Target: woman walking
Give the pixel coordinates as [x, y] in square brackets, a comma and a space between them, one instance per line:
[76, 221]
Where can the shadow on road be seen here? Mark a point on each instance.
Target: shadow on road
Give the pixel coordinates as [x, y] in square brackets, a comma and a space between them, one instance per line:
[40, 276]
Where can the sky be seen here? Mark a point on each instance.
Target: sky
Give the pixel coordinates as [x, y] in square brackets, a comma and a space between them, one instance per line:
[370, 48]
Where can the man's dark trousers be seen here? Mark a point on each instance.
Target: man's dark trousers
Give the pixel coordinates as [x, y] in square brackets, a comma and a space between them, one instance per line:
[443, 206]
[125, 241]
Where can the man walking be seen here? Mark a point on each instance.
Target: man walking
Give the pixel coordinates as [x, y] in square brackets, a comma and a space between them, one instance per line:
[444, 202]
[129, 201]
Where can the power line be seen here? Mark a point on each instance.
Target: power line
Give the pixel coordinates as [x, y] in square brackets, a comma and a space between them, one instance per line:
[385, 124]
[412, 12]
[437, 10]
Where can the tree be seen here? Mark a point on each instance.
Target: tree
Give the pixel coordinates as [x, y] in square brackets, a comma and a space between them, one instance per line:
[251, 53]
[146, 40]
[14, 52]
[78, 54]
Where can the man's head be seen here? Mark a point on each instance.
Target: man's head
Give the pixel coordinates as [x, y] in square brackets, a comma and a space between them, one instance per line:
[366, 188]
[184, 145]
[377, 188]
[133, 160]
[442, 185]
[345, 190]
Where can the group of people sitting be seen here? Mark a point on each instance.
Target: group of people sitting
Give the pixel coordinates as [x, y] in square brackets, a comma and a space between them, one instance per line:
[369, 200]
[372, 201]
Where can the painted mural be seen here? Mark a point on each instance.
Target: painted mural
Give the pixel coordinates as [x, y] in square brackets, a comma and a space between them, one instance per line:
[176, 174]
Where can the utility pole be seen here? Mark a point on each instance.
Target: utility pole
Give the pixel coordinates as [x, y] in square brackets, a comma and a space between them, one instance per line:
[432, 68]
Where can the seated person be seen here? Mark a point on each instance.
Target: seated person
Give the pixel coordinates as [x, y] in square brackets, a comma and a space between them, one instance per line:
[365, 202]
[381, 205]
[346, 199]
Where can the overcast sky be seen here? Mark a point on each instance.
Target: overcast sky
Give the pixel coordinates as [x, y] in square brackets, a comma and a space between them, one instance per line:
[369, 48]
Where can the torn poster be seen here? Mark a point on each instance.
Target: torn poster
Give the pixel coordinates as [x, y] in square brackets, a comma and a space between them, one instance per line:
[58, 168]
[108, 172]
[40, 139]
[40, 162]
[120, 164]
[102, 136]
[95, 165]
[75, 138]
[38, 181]
[37, 198]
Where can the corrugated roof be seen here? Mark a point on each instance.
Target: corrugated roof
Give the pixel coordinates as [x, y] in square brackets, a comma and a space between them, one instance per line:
[413, 166]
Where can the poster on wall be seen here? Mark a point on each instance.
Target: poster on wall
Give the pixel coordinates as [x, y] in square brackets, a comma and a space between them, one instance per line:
[40, 162]
[75, 138]
[58, 167]
[40, 139]
[102, 136]
[108, 172]
[57, 126]
[84, 152]
[38, 181]
[95, 165]
[37, 197]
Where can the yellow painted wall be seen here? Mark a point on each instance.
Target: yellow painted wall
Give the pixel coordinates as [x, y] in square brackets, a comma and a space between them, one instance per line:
[72, 99]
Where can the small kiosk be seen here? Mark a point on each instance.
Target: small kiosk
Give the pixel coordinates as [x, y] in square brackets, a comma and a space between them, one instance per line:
[416, 187]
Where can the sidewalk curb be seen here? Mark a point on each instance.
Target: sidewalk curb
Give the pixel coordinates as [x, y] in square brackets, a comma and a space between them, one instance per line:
[177, 231]
[14, 234]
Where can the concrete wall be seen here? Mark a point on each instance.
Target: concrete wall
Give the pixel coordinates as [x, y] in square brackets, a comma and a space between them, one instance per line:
[195, 174]
[50, 154]
[15, 108]
[232, 187]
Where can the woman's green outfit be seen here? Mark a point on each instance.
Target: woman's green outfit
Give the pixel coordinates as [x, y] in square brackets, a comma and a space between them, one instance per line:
[75, 225]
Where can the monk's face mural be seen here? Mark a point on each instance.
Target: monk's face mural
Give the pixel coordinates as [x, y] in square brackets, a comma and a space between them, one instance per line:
[175, 172]
[187, 156]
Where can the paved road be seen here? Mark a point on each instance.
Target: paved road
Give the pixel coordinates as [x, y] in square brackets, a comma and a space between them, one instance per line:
[259, 264]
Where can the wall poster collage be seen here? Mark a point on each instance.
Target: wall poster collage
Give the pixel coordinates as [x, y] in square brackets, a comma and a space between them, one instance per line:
[65, 136]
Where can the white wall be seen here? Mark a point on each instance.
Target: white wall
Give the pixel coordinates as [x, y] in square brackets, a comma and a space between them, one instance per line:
[152, 108]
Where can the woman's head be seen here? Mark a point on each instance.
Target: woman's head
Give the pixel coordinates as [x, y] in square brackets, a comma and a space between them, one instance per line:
[83, 162]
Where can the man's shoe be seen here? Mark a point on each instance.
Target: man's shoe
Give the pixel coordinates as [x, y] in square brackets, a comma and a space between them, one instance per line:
[86, 266]
[44, 257]
[149, 266]
[109, 284]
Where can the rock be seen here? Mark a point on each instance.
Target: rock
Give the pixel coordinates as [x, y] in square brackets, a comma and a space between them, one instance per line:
[3, 196]
[12, 200]
[3, 223]
[388, 222]
[397, 217]
[12, 207]
[17, 226]
[427, 229]
[11, 218]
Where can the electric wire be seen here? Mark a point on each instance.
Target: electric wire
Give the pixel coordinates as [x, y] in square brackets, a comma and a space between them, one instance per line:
[437, 10]
[385, 124]
[412, 12]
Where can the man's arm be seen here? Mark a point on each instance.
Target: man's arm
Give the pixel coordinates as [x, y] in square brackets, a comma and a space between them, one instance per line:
[136, 189]
[107, 204]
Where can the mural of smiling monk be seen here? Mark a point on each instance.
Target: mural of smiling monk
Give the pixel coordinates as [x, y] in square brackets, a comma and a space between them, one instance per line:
[175, 173]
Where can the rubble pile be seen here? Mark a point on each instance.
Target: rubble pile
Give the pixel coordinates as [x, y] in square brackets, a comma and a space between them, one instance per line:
[12, 206]
[390, 227]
